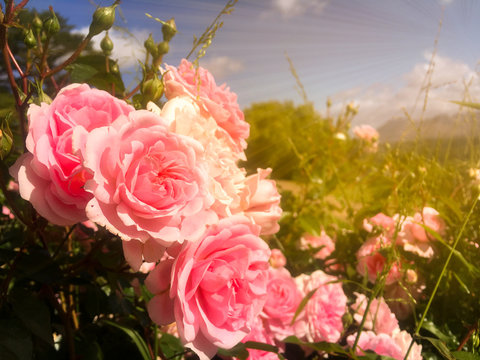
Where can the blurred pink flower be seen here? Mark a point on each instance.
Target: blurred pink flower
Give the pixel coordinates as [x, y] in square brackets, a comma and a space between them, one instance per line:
[323, 241]
[380, 318]
[371, 262]
[50, 174]
[7, 212]
[215, 288]
[218, 101]
[259, 334]
[321, 319]
[277, 259]
[283, 298]
[394, 346]
[366, 132]
[381, 221]
[415, 238]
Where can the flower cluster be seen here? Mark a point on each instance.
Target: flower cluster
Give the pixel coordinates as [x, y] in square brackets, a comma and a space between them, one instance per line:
[390, 239]
[167, 182]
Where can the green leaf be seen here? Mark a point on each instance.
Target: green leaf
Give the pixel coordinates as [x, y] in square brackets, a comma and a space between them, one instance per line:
[322, 346]
[467, 104]
[33, 312]
[264, 347]
[440, 346]
[15, 339]
[80, 73]
[464, 355]
[170, 346]
[430, 326]
[239, 351]
[136, 338]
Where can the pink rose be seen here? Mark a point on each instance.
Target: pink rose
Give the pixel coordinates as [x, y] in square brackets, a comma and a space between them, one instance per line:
[371, 262]
[148, 183]
[7, 212]
[217, 286]
[366, 132]
[415, 238]
[283, 298]
[321, 319]
[260, 201]
[184, 117]
[401, 297]
[259, 334]
[324, 242]
[380, 318]
[382, 221]
[277, 259]
[395, 346]
[51, 175]
[218, 101]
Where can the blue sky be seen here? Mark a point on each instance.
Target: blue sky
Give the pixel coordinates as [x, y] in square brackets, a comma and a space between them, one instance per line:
[374, 53]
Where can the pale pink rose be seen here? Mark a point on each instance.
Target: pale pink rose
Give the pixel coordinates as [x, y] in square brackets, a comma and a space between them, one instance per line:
[415, 238]
[148, 183]
[184, 117]
[283, 298]
[324, 242]
[217, 286]
[429, 218]
[382, 221]
[260, 201]
[218, 101]
[380, 318]
[277, 259]
[371, 262]
[366, 132]
[259, 334]
[395, 346]
[51, 175]
[321, 319]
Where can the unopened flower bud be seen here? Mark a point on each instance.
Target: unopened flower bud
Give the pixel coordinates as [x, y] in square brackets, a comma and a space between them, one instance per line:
[51, 26]
[163, 48]
[150, 46]
[152, 89]
[106, 45]
[103, 19]
[30, 40]
[169, 29]
[37, 23]
[114, 69]
[6, 140]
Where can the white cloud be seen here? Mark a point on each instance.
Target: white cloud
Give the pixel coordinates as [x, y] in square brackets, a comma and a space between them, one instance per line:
[379, 103]
[127, 46]
[222, 66]
[290, 8]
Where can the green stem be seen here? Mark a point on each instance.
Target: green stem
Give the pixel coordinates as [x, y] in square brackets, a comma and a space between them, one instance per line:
[442, 273]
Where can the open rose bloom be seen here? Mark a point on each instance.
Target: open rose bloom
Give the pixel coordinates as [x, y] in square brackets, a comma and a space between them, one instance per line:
[51, 174]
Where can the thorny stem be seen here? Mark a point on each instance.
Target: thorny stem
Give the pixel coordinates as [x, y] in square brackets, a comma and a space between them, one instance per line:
[71, 59]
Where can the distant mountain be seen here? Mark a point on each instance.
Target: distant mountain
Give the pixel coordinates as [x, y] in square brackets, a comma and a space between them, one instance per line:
[437, 127]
